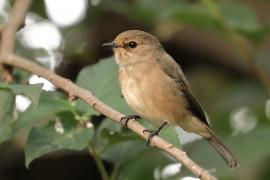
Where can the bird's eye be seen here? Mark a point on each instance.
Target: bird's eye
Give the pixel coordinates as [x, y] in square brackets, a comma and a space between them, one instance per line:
[132, 44]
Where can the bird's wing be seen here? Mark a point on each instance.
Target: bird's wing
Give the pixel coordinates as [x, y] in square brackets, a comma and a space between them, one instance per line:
[173, 70]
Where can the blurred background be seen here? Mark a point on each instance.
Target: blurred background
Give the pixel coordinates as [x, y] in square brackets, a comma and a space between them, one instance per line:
[223, 47]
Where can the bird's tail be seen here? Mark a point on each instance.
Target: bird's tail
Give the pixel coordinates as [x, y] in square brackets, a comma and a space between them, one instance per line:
[224, 152]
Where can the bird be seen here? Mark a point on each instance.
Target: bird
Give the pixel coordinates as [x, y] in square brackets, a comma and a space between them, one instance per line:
[155, 87]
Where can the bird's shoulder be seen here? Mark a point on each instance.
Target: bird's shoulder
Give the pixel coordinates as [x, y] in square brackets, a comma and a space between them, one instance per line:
[174, 71]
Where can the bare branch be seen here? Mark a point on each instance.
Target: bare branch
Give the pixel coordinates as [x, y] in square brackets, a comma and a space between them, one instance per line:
[8, 33]
[16, 19]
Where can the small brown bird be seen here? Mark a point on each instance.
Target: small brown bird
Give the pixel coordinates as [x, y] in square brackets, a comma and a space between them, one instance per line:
[155, 87]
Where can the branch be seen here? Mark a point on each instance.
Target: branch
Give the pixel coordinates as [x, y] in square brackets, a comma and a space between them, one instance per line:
[7, 57]
[8, 38]
[90, 99]
[16, 19]
[92, 150]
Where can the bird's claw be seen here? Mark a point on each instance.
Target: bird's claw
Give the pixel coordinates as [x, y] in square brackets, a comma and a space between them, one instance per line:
[154, 132]
[128, 118]
[151, 135]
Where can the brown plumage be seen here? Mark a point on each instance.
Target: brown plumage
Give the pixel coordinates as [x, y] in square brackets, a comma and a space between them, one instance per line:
[155, 87]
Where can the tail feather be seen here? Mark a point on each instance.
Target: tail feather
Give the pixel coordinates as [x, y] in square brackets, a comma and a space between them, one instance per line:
[224, 152]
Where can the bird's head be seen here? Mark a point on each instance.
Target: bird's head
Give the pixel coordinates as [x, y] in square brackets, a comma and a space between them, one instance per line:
[134, 45]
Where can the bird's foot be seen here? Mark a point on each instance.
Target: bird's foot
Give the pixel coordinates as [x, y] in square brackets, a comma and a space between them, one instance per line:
[153, 133]
[128, 118]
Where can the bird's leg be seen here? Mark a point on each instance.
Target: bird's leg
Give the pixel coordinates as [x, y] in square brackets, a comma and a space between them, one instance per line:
[154, 132]
[129, 117]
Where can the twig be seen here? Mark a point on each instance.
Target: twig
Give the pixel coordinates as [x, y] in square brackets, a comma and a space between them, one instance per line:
[99, 106]
[6, 56]
[8, 38]
[99, 163]
[115, 171]
[16, 19]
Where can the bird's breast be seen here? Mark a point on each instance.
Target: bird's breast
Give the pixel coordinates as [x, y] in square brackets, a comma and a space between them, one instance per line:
[151, 94]
[132, 86]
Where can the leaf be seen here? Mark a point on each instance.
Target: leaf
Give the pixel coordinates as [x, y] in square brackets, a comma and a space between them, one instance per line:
[110, 133]
[170, 134]
[43, 140]
[191, 14]
[7, 105]
[145, 163]
[118, 146]
[239, 17]
[115, 145]
[124, 151]
[105, 131]
[50, 103]
[31, 91]
[102, 80]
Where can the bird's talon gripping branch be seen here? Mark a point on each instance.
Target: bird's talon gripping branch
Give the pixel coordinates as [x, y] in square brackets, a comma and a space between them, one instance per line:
[129, 117]
[153, 133]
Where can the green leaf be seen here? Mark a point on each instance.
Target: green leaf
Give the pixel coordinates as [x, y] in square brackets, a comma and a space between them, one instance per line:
[7, 105]
[145, 163]
[50, 103]
[31, 91]
[124, 151]
[191, 14]
[105, 132]
[170, 134]
[239, 17]
[43, 140]
[118, 146]
[102, 80]
[115, 145]
[140, 11]
[110, 133]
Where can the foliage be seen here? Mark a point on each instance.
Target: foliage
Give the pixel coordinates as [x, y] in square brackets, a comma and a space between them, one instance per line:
[7, 115]
[46, 139]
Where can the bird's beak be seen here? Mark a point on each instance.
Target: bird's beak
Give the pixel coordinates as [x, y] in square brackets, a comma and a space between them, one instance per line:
[110, 44]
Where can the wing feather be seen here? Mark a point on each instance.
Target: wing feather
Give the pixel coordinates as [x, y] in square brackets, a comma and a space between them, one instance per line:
[173, 70]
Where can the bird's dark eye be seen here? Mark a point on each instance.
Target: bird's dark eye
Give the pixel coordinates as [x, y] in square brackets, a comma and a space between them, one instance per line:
[132, 44]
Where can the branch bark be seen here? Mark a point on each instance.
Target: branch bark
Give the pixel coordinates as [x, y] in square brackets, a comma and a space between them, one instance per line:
[16, 19]
[8, 31]
[7, 57]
